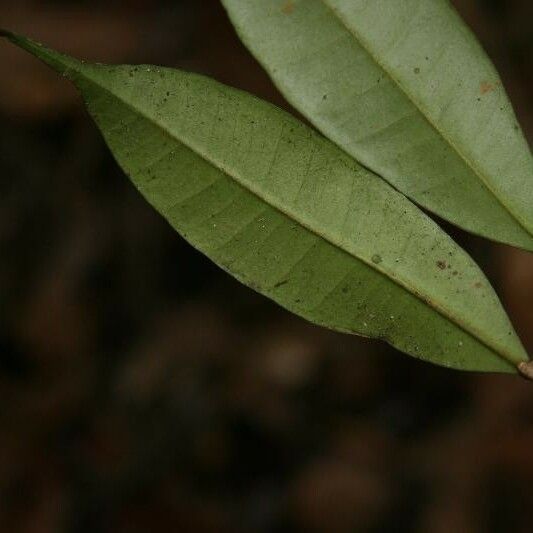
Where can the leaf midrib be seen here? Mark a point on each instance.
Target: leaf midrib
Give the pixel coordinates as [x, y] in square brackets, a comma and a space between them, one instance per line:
[499, 351]
[477, 172]
[53, 58]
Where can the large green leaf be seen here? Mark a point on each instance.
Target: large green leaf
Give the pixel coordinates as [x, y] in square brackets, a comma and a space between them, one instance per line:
[289, 214]
[403, 87]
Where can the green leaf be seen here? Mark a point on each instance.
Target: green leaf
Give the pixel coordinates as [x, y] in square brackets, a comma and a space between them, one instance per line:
[404, 87]
[292, 216]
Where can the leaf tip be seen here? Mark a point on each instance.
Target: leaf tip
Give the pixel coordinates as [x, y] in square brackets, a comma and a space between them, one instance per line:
[13, 37]
[59, 62]
[525, 368]
[5, 33]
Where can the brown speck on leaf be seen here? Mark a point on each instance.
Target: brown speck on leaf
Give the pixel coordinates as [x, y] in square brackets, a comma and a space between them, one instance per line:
[441, 264]
[288, 7]
[486, 87]
[478, 284]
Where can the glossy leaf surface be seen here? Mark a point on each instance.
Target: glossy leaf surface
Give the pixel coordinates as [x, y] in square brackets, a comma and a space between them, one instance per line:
[404, 87]
[291, 215]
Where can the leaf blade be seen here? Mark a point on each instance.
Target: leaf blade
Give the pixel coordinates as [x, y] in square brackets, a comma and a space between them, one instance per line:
[289, 214]
[325, 57]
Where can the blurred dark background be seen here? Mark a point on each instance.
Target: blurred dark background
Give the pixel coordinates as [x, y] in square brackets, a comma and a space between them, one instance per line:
[142, 389]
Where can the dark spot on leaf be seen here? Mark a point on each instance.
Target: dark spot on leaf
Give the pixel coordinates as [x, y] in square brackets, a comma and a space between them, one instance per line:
[478, 285]
[325, 97]
[416, 70]
[441, 264]
[376, 258]
[454, 273]
[345, 290]
[281, 283]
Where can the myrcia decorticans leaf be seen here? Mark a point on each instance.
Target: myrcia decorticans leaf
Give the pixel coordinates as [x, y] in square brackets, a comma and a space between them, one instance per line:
[289, 214]
[404, 87]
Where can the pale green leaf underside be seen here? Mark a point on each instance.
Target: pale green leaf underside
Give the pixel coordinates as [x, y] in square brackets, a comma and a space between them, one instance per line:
[403, 87]
[289, 214]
